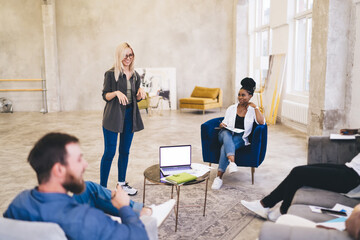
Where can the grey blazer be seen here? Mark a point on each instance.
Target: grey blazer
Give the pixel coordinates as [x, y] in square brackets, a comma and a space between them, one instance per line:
[114, 112]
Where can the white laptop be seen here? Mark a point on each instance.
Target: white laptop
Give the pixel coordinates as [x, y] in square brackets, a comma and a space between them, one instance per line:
[175, 159]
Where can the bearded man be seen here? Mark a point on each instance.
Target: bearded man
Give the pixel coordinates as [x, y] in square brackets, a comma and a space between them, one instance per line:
[59, 165]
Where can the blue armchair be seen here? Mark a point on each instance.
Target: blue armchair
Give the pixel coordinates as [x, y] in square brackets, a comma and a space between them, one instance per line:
[249, 156]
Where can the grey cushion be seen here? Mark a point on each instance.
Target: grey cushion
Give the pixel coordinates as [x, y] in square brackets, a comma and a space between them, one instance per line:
[18, 230]
[323, 198]
[323, 150]
[305, 212]
[320, 150]
[306, 196]
[270, 231]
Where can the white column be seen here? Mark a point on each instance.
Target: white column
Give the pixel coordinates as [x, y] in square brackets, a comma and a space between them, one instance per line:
[51, 56]
[329, 70]
[353, 105]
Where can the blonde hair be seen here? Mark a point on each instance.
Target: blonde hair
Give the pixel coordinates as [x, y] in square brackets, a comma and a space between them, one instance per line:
[119, 56]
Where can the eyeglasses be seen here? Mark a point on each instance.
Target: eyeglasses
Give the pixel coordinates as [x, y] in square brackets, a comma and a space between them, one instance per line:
[130, 56]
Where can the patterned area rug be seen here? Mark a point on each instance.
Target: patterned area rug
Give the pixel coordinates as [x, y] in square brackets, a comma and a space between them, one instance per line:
[225, 216]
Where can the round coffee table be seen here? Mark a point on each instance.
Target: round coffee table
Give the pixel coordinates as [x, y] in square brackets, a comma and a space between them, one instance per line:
[152, 174]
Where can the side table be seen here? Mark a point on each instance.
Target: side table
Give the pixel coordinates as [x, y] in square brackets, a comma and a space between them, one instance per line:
[152, 174]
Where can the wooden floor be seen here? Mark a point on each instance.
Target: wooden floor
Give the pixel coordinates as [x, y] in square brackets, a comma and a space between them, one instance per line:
[19, 131]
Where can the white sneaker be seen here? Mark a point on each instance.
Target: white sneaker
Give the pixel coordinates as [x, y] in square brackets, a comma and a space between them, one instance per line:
[129, 190]
[256, 207]
[233, 167]
[273, 215]
[162, 211]
[217, 183]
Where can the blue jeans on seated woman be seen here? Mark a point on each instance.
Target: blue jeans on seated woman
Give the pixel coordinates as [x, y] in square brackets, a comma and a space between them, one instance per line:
[230, 142]
[99, 197]
[110, 139]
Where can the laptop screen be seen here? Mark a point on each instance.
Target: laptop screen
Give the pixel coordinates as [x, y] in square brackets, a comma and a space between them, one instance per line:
[171, 156]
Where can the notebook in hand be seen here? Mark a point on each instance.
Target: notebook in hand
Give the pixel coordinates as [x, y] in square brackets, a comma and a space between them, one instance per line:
[175, 159]
[181, 178]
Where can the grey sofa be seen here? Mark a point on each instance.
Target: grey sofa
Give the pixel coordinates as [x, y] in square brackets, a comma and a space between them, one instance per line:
[320, 150]
[21, 230]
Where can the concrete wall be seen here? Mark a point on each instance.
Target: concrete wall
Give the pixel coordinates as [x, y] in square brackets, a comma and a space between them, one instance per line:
[21, 51]
[353, 109]
[195, 37]
[206, 41]
[331, 63]
[242, 45]
[318, 66]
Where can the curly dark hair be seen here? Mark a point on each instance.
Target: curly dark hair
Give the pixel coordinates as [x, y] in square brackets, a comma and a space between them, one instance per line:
[249, 85]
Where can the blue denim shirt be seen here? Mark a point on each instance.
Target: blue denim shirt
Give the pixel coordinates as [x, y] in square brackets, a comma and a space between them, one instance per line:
[79, 221]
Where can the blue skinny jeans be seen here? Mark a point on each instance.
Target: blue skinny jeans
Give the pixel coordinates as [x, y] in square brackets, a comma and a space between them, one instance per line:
[99, 197]
[230, 142]
[110, 140]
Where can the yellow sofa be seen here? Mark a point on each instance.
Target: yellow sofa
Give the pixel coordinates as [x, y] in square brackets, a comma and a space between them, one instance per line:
[203, 98]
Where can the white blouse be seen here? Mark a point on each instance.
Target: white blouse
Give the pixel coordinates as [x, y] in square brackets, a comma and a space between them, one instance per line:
[355, 164]
[250, 117]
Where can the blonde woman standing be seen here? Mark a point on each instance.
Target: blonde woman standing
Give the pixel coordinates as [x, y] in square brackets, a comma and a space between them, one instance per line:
[121, 116]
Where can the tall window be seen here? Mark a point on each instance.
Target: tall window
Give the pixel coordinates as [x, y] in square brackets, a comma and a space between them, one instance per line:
[260, 37]
[302, 54]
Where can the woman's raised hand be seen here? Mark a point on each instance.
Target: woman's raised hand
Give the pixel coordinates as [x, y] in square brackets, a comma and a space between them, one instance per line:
[252, 104]
[141, 94]
[122, 98]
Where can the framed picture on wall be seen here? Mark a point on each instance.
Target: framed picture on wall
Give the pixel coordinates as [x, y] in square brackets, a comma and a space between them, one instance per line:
[160, 83]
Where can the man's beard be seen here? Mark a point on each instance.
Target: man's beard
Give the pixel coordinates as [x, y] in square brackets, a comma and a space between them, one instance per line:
[73, 184]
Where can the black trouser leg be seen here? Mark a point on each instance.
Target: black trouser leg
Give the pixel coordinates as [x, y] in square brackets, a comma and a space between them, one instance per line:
[332, 177]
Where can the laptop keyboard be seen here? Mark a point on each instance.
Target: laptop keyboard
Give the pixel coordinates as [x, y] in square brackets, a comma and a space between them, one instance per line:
[176, 170]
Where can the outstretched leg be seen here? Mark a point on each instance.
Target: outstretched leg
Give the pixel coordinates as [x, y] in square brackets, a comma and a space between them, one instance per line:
[337, 178]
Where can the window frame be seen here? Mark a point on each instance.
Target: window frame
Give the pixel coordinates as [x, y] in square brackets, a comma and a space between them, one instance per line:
[258, 58]
[303, 15]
